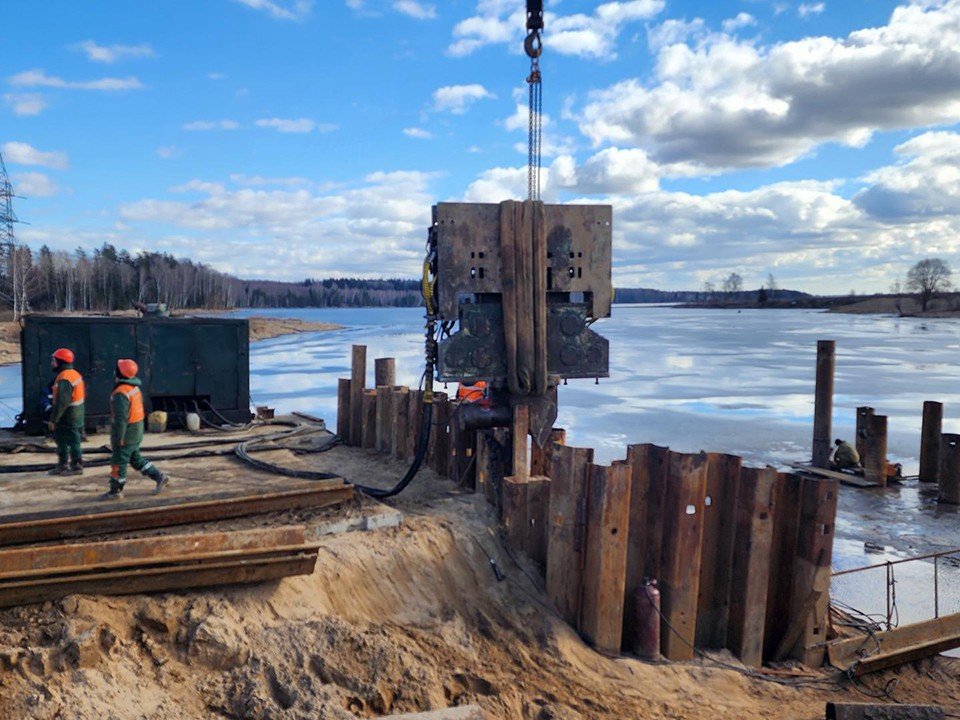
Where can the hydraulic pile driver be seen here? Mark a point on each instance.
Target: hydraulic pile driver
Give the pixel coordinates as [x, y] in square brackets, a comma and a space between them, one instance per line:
[515, 288]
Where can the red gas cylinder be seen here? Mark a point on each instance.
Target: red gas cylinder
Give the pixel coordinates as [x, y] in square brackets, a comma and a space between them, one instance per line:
[646, 603]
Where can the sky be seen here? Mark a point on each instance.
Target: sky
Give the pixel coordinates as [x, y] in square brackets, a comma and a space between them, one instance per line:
[812, 143]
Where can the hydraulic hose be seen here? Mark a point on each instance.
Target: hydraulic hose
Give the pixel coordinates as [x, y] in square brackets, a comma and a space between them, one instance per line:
[422, 445]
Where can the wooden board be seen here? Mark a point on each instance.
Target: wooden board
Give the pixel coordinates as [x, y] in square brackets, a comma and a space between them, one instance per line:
[605, 557]
[565, 540]
[845, 478]
[680, 556]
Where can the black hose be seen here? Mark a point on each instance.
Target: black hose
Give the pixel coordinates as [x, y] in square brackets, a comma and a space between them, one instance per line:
[424, 442]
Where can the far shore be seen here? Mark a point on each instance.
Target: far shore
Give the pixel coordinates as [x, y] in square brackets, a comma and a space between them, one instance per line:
[261, 328]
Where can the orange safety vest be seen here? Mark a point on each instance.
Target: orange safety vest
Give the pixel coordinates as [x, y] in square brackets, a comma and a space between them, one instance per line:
[471, 393]
[136, 402]
[76, 380]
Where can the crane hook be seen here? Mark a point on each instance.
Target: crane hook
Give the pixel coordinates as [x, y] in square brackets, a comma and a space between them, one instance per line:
[533, 45]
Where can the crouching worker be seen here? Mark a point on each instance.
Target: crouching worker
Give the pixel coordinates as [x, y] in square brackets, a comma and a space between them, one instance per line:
[845, 456]
[126, 431]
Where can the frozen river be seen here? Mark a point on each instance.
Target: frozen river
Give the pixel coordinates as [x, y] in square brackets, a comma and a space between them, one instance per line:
[740, 382]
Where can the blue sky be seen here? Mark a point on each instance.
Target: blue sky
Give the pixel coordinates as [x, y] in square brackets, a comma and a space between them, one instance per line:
[816, 142]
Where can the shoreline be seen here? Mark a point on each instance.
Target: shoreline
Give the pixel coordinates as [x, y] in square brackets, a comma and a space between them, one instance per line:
[261, 328]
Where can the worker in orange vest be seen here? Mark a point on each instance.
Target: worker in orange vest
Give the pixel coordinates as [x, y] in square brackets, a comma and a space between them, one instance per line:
[126, 431]
[472, 393]
[67, 413]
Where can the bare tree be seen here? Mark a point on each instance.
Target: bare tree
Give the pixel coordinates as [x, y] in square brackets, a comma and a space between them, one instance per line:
[927, 278]
[771, 286]
[733, 283]
[896, 288]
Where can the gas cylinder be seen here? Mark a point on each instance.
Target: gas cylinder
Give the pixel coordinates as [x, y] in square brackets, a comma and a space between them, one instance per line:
[646, 602]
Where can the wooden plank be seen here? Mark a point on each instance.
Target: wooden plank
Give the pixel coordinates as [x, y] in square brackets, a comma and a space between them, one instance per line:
[897, 646]
[187, 576]
[414, 421]
[486, 469]
[520, 431]
[680, 554]
[719, 530]
[540, 457]
[605, 557]
[358, 376]
[845, 478]
[73, 557]
[538, 512]
[639, 459]
[162, 512]
[401, 409]
[343, 410]
[874, 459]
[384, 371]
[783, 559]
[515, 511]
[384, 418]
[750, 576]
[368, 428]
[565, 542]
[812, 571]
[441, 437]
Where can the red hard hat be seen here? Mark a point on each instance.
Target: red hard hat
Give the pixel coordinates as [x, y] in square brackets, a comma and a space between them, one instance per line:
[63, 354]
[126, 368]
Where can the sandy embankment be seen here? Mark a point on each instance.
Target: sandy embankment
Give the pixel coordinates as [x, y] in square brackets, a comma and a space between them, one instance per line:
[261, 328]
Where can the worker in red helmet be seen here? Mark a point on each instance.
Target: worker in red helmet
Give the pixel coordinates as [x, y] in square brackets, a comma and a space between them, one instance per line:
[67, 413]
[126, 431]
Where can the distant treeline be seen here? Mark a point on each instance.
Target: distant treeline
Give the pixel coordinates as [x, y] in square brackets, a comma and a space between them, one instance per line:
[648, 295]
[108, 279]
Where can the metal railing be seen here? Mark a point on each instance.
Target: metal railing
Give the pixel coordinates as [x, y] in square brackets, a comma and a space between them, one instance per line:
[946, 566]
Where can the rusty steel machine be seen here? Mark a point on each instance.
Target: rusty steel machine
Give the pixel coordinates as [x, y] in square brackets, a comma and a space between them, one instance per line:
[515, 287]
[510, 291]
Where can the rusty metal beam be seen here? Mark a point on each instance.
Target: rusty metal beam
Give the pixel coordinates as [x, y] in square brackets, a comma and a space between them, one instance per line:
[147, 564]
[896, 647]
[75, 522]
[886, 711]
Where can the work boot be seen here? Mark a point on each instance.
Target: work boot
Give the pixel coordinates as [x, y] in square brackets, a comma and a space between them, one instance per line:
[115, 492]
[75, 468]
[60, 469]
[162, 479]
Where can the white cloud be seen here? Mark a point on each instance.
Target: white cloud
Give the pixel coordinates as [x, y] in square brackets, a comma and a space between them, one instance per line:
[415, 9]
[258, 181]
[39, 78]
[458, 98]
[300, 125]
[112, 53]
[282, 9]
[925, 186]
[416, 132]
[216, 76]
[34, 185]
[806, 10]
[168, 152]
[592, 36]
[26, 103]
[265, 233]
[211, 125]
[742, 20]
[724, 103]
[24, 154]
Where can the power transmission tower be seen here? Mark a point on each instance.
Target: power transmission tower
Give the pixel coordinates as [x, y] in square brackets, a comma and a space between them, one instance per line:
[9, 292]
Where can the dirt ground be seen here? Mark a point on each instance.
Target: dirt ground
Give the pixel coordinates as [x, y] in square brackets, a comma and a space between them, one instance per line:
[400, 619]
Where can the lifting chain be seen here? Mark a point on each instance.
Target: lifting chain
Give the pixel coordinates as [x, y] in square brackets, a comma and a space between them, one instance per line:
[533, 46]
